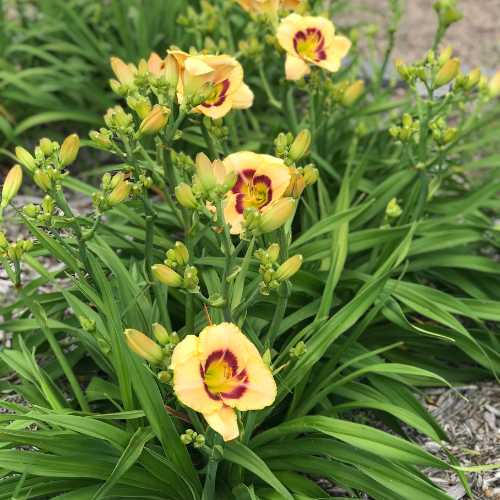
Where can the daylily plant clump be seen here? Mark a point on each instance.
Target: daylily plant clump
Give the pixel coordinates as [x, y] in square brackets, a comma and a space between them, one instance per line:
[273, 241]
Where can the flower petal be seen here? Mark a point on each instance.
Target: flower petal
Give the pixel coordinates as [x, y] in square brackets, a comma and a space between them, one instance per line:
[231, 215]
[295, 68]
[260, 387]
[216, 111]
[243, 97]
[224, 422]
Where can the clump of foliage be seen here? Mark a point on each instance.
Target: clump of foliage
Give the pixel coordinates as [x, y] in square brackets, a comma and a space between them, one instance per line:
[277, 245]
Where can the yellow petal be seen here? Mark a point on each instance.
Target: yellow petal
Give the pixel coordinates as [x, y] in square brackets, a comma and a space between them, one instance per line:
[155, 63]
[295, 68]
[286, 31]
[243, 97]
[216, 112]
[184, 351]
[224, 422]
[340, 46]
[260, 388]
[231, 215]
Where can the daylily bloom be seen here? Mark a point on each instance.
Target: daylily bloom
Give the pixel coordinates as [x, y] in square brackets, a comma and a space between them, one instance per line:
[310, 40]
[214, 84]
[220, 371]
[167, 68]
[261, 180]
[125, 73]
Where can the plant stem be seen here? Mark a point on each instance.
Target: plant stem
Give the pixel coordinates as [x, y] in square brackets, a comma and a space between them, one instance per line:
[267, 88]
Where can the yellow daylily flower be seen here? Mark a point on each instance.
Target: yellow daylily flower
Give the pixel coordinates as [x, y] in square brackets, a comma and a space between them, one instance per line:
[216, 81]
[310, 40]
[261, 180]
[218, 372]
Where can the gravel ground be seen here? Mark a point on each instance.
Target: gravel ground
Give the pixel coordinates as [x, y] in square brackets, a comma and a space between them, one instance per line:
[476, 38]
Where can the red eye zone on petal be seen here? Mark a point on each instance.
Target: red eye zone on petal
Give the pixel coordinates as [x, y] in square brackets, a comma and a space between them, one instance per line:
[310, 44]
[219, 95]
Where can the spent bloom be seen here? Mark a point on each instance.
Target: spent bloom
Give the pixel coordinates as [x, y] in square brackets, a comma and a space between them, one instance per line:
[218, 372]
[213, 85]
[261, 180]
[310, 40]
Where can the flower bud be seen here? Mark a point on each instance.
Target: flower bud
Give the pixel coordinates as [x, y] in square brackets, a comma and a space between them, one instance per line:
[205, 172]
[161, 334]
[11, 185]
[166, 275]
[191, 280]
[288, 268]
[143, 346]
[473, 79]
[164, 376]
[31, 210]
[155, 120]
[494, 85]
[445, 55]
[310, 174]
[100, 139]
[353, 93]
[25, 158]
[181, 253]
[300, 145]
[141, 105]
[118, 178]
[276, 215]
[46, 146]
[124, 72]
[185, 196]
[273, 252]
[447, 73]
[3, 241]
[393, 210]
[171, 71]
[42, 179]
[402, 69]
[69, 150]
[119, 194]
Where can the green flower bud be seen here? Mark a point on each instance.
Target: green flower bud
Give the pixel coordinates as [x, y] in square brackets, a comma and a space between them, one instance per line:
[166, 275]
[161, 334]
[288, 268]
[11, 185]
[25, 158]
[69, 150]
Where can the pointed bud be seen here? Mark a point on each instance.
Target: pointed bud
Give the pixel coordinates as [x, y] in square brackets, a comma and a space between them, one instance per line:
[310, 174]
[276, 215]
[124, 72]
[300, 146]
[141, 105]
[273, 252]
[445, 55]
[185, 196]
[205, 172]
[181, 253]
[161, 334]
[46, 146]
[116, 179]
[155, 120]
[143, 346]
[494, 85]
[393, 210]
[69, 150]
[288, 268]
[11, 185]
[166, 275]
[447, 73]
[473, 79]
[42, 179]
[119, 194]
[25, 158]
[353, 93]
[100, 139]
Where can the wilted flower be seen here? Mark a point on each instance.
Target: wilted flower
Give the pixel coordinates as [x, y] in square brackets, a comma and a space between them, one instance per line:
[212, 85]
[11, 185]
[310, 40]
[220, 371]
[261, 179]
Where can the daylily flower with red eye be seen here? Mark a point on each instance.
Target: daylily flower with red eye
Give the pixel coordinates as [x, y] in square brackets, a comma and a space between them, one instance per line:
[310, 40]
[213, 83]
[261, 180]
[221, 371]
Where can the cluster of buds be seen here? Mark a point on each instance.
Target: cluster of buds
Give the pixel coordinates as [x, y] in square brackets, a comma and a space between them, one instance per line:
[49, 160]
[256, 223]
[114, 190]
[192, 437]
[298, 350]
[14, 250]
[211, 182]
[393, 210]
[251, 48]
[182, 162]
[184, 276]
[44, 214]
[293, 149]
[407, 131]
[157, 353]
[11, 186]
[206, 21]
[273, 273]
[346, 93]
[441, 133]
